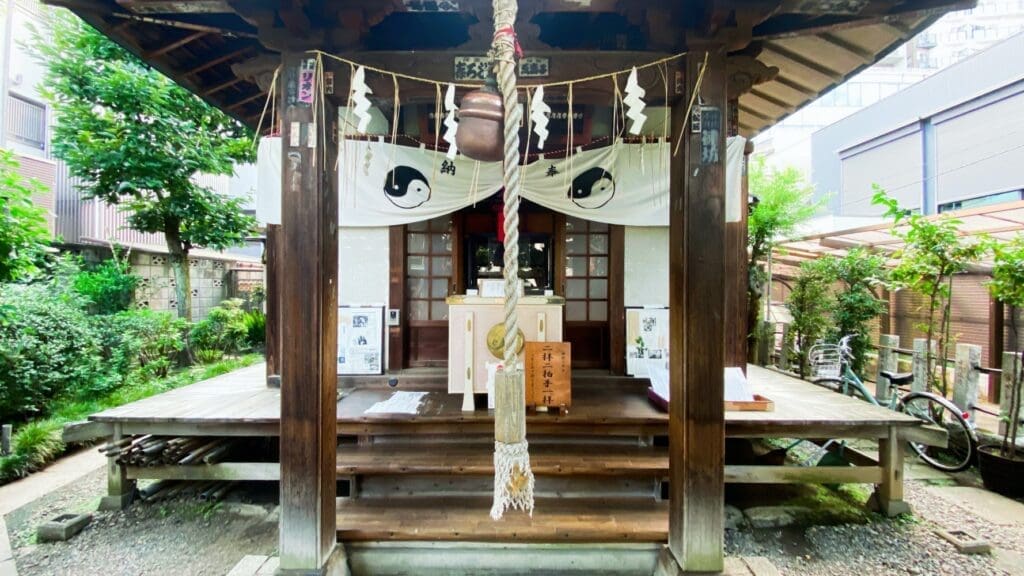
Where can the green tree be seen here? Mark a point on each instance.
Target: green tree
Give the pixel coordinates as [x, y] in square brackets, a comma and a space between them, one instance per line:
[137, 139]
[1007, 286]
[784, 201]
[856, 305]
[934, 252]
[808, 303]
[24, 236]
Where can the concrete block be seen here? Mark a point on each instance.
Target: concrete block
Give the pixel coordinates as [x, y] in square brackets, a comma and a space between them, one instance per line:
[63, 527]
[965, 543]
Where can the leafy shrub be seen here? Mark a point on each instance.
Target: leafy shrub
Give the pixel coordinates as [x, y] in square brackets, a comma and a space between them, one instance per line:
[48, 346]
[24, 234]
[141, 341]
[224, 329]
[256, 328]
[109, 286]
[209, 355]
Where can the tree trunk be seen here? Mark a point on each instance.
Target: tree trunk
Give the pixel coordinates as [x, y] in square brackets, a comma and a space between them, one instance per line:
[930, 364]
[179, 264]
[1013, 426]
[944, 349]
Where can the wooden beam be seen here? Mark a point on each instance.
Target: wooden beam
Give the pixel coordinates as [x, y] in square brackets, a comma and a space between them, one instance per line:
[222, 86]
[396, 297]
[177, 6]
[697, 242]
[207, 64]
[245, 101]
[173, 45]
[616, 300]
[996, 327]
[309, 297]
[736, 474]
[220, 471]
[272, 252]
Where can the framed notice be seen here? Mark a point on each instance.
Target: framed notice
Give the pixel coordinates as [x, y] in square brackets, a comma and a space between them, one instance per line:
[361, 340]
[548, 374]
[646, 338]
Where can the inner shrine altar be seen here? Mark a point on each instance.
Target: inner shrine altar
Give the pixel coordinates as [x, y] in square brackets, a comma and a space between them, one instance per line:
[476, 333]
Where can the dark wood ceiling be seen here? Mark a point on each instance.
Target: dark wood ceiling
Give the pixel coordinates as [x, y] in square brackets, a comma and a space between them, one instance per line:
[787, 52]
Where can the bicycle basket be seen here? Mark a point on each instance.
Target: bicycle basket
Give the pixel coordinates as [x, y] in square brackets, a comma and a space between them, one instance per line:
[826, 362]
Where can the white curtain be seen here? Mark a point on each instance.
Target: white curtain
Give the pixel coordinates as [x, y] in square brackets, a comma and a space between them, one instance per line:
[383, 184]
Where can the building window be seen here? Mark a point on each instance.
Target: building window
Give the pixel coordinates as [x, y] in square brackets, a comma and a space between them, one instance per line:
[428, 268]
[999, 198]
[586, 271]
[26, 121]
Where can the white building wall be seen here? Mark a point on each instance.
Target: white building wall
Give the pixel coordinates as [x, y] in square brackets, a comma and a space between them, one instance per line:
[363, 266]
[646, 266]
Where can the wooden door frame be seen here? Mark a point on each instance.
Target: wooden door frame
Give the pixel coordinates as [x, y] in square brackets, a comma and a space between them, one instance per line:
[396, 297]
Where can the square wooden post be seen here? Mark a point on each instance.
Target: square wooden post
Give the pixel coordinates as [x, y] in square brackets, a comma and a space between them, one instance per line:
[888, 496]
[697, 265]
[272, 267]
[309, 340]
[120, 489]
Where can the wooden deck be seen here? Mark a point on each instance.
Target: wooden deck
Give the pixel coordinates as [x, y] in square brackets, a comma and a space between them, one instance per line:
[240, 404]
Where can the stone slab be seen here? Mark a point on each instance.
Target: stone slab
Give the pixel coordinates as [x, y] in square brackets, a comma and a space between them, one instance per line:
[249, 565]
[761, 566]
[1007, 560]
[990, 506]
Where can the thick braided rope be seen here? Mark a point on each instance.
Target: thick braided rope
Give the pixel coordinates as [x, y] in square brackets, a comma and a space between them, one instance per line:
[504, 50]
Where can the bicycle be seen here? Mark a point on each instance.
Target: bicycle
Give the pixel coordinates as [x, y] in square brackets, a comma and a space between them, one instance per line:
[831, 366]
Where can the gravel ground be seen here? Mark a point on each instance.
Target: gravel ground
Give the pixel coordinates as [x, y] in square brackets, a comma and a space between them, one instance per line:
[883, 547]
[177, 537]
[185, 536]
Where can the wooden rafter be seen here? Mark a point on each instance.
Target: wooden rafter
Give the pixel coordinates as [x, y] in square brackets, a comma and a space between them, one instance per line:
[223, 85]
[158, 52]
[245, 101]
[210, 63]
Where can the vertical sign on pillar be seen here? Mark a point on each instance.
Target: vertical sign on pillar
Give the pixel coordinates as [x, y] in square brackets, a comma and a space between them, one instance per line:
[308, 297]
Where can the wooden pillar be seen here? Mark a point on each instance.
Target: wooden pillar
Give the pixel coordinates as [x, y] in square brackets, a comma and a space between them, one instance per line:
[272, 256]
[736, 275]
[996, 327]
[888, 496]
[396, 298]
[697, 264]
[616, 300]
[965, 383]
[120, 489]
[309, 294]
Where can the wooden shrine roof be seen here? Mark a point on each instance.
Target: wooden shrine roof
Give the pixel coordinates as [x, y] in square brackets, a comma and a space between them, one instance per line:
[783, 53]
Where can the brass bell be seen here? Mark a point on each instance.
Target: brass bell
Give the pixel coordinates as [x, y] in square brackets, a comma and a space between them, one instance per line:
[481, 132]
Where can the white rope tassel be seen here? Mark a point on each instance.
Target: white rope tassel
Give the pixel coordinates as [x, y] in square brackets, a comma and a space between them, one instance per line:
[513, 479]
[509, 462]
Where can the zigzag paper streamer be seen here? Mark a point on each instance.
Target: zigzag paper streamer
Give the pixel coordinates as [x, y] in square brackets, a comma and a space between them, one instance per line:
[635, 103]
[539, 116]
[361, 110]
[450, 124]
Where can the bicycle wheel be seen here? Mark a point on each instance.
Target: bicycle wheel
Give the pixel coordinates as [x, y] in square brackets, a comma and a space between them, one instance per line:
[958, 454]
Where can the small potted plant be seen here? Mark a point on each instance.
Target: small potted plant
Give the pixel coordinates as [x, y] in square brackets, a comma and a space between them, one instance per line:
[1002, 465]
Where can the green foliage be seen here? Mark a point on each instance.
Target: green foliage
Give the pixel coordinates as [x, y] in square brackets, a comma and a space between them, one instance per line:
[785, 201]
[24, 236]
[109, 286]
[37, 443]
[808, 303]
[1007, 286]
[208, 355]
[47, 348]
[256, 328]
[856, 305]
[933, 252]
[141, 342]
[224, 329]
[136, 138]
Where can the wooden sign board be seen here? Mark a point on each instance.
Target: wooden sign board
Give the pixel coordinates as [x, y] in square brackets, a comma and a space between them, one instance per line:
[548, 374]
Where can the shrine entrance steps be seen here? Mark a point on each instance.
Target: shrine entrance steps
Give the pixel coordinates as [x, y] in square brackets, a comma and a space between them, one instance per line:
[420, 488]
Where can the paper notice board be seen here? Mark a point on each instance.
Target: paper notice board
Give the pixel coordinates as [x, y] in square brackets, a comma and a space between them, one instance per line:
[360, 340]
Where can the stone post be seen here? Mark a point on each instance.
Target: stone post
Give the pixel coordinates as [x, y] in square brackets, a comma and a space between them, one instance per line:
[921, 346]
[787, 336]
[965, 384]
[765, 343]
[888, 361]
[1011, 370]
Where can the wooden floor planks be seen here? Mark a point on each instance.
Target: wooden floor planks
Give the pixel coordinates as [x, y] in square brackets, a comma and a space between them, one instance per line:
[478, 459]
[468, 519]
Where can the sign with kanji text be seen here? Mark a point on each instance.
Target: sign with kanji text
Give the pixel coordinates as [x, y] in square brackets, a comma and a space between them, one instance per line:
[548, 374]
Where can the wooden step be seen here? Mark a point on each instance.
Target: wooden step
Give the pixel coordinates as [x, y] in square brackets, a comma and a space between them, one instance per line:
[468, 520]
[612, 411]
[478, 459]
